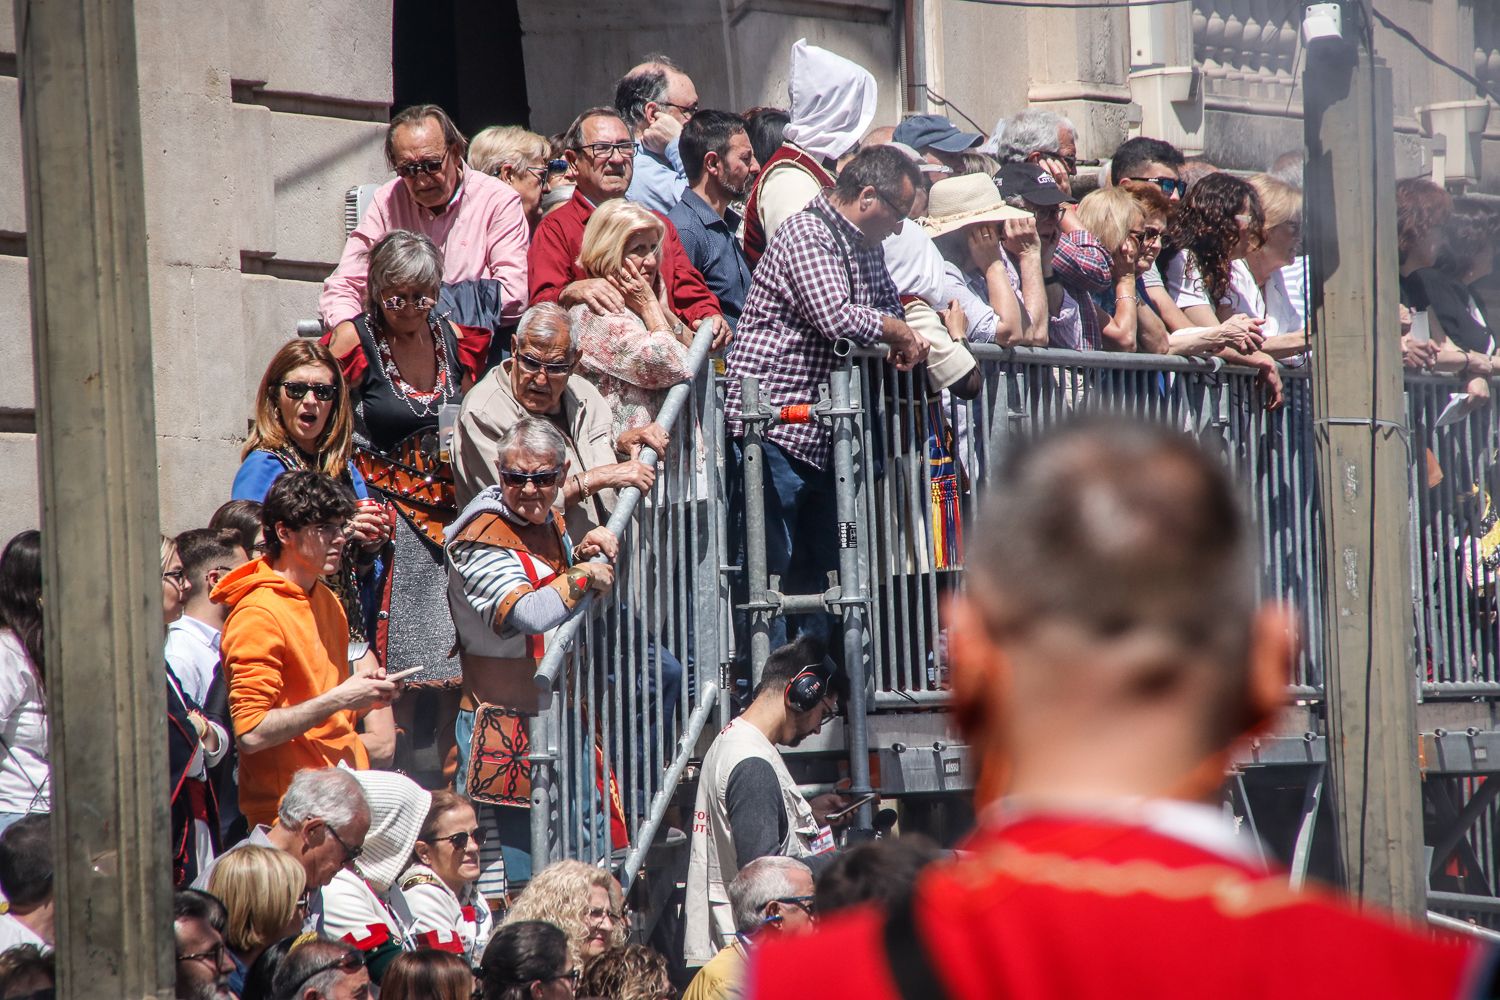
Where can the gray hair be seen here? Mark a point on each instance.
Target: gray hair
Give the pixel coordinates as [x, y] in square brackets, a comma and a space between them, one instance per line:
[331, 794]
[1031, 131]
[402, 258]
[534, 436]
[758, 883]
[538, 318]
[506, 146]
[298, 970]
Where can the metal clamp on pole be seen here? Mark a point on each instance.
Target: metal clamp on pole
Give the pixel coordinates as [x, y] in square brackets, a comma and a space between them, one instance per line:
[671, 408]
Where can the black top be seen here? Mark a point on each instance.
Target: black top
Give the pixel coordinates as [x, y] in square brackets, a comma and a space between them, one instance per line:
[387, 416]
[1446, 298]
[752, 798]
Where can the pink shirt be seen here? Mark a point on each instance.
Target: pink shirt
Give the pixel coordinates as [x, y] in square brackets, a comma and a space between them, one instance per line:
[482, 233]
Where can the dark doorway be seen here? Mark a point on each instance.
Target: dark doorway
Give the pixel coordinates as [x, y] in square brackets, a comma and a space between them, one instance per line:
[464, 56]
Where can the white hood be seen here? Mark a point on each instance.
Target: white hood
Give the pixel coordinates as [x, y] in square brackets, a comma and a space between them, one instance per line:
[833, 101]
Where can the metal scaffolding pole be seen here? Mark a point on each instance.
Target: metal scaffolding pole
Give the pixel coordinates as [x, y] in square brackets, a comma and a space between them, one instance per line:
[91, 336]
[1363, 460]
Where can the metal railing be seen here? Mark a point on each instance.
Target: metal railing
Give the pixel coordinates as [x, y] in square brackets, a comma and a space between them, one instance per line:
[633, 677]
[928, 464]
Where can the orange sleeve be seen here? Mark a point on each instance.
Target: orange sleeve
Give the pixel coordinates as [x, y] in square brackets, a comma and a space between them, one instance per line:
[254, 651]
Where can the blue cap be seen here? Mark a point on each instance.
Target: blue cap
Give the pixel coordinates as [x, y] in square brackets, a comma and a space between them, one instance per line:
[935, 132]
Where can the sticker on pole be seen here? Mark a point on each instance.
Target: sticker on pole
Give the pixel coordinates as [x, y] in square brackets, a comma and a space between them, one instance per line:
[848, 535]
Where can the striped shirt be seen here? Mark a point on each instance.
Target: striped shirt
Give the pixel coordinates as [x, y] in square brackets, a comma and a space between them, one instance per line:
[490, 574]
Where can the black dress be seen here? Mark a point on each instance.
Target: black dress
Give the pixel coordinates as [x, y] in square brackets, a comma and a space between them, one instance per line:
[396, 435]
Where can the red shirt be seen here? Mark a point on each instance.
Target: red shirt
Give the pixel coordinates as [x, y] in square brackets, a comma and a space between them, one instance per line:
[554, 261]
[1050, 907]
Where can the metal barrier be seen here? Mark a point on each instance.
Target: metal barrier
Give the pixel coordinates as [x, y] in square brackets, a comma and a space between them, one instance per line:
[633, 678]
[926, 467]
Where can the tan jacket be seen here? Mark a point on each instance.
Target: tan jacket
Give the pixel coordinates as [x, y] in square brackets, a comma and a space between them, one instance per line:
[490, 409]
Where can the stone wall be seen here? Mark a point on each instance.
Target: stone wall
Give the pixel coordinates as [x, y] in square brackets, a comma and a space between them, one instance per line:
[255, 118]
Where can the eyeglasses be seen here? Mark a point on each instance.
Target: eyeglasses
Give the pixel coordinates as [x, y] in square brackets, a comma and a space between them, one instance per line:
[352, 962]
[176, 577]
[541, 480]
[688, 110]
[531, 365]
[1145, 236]
[574, 976]
[1070, 163]
[329, 530]
[415, 167]
[596, 914]
[396, 303]
[1045, 212]
[214, 956]
[606, 150]
[323, 392]
[1167, 184]
[351, 855]
[900, 212]
[460, 840]
[804, 903]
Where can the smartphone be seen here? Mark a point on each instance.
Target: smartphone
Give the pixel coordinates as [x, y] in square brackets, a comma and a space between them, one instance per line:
[852, 806]
[402, 674]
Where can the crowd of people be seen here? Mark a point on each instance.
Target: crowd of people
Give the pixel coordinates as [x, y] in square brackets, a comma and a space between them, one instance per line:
[424, 493]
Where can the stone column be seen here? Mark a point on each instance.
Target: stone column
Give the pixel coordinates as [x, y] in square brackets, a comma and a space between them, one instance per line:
[92, 340]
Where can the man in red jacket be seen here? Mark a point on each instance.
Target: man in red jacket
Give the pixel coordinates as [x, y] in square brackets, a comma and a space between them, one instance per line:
[600, 149]
[1106, 657]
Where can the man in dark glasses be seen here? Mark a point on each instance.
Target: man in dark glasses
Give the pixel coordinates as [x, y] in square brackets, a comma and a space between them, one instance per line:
[477, 221]
[1145, 159]
[322, 970]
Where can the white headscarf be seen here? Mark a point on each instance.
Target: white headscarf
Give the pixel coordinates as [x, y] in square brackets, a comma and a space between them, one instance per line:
[833, 101]
[914, 263]
[398, 807]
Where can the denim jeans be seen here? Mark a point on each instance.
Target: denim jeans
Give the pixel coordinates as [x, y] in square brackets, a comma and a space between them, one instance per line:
[801, 530]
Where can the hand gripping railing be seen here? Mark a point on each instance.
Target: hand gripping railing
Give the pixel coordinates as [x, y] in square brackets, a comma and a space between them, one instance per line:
[546, 735]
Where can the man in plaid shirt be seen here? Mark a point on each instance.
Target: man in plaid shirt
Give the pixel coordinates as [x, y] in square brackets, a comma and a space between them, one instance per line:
[822, 278]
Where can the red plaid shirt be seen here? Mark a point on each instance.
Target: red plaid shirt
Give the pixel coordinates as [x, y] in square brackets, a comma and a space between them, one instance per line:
[818, 281]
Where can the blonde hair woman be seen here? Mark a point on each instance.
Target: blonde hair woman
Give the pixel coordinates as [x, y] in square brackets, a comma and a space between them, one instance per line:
[1114, 218]
[517, 157]
[632, 356]
[262, 890]
[1257, 286]
[584, 901]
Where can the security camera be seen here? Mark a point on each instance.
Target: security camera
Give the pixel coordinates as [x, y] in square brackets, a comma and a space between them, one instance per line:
[1322, 23]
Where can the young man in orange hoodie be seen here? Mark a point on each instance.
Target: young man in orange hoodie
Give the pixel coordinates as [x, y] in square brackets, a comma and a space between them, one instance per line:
[285, 647]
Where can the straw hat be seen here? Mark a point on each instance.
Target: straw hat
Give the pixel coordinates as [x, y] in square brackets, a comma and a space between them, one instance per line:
[966, 200]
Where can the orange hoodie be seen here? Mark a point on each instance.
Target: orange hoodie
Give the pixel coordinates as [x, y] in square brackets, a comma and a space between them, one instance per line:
[281, 647]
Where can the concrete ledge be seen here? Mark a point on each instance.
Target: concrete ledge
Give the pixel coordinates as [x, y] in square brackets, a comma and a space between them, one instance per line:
[19, 505]
[16, 390]
[13, 191]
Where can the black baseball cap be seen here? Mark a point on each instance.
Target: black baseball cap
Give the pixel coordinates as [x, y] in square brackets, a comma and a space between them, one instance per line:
[1030, 181]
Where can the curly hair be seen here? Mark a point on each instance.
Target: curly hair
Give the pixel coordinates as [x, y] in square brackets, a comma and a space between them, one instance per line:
[300, 498]
[634, 972]
[1205, 226]
[559, 894]
[1471, 229]
[1421, 207]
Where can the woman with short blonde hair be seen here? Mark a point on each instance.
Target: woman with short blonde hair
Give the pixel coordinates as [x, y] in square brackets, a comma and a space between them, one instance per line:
[517, 157]
[586, 902]
[633, 356]
[1110, 214]
[262, 890]
[1114, 217]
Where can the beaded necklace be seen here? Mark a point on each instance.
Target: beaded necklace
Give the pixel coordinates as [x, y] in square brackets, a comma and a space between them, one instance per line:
[413, 397]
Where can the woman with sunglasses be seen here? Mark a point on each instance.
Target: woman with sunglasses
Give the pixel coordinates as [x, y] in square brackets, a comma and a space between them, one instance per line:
[436, 900]
[519, 158]
[408, 366]
[303, 421]
[635, 354]
[528, 960]
[1114, 217]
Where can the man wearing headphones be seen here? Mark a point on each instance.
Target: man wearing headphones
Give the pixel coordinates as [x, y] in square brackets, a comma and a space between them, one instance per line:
[748, 806]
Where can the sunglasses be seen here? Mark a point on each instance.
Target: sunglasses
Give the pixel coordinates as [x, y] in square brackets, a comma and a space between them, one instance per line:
[460, 840]
[1146, 235]
[416, 167]
[1167, 184]
[597, 914]
[214, 956]
[351, 962]
[323, 392]
[541, 480]
[606, 150]
[804, 903]
[396, 303]
[351, 854]
[1070, 163]
[531, 365]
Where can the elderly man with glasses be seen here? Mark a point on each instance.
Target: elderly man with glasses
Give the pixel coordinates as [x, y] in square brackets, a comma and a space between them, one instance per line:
[322, 970]
[540, 380]
[478, 222]
[656, 99]
[600, 150]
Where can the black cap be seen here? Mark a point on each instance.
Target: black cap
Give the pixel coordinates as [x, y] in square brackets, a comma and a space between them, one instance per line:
[1031, 182]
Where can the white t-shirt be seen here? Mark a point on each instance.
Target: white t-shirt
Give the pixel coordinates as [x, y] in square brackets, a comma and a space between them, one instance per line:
[13, 933]
[25, 778]
[1185, 284]
[1274, 305]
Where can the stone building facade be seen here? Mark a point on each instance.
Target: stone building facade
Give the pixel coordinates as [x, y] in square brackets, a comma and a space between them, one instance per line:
[258, 115]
